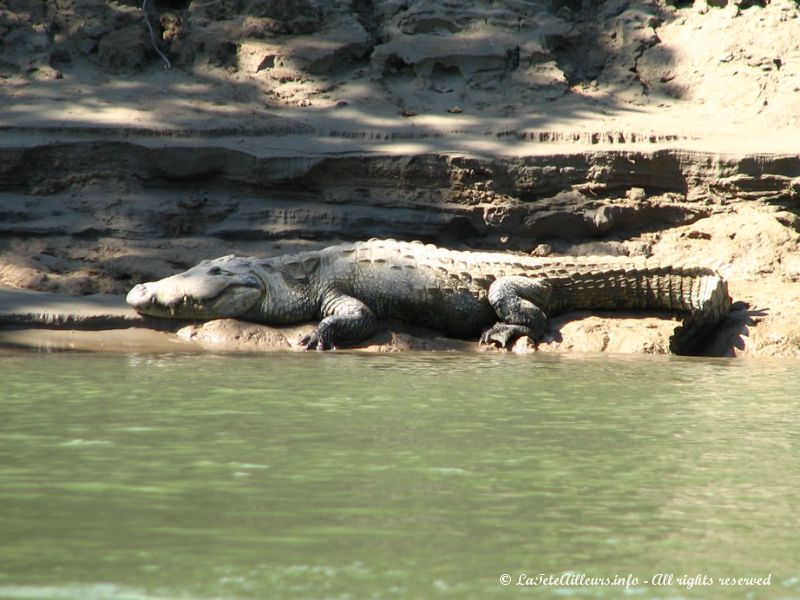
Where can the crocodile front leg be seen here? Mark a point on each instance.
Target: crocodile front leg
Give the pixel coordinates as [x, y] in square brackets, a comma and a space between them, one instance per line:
[346, 321]
[517, 301]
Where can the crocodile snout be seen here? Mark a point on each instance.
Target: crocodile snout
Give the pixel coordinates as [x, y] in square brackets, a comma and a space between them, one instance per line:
[139, 296]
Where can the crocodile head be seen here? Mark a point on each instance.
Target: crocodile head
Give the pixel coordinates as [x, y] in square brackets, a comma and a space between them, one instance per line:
[223, 287]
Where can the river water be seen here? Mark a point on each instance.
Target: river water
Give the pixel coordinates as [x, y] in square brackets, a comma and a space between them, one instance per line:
[344, 475]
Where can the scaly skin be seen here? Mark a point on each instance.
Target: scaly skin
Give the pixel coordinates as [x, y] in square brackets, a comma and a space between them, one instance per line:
[463, 294]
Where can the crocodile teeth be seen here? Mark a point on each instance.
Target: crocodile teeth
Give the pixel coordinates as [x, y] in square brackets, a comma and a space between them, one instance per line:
[172, 310]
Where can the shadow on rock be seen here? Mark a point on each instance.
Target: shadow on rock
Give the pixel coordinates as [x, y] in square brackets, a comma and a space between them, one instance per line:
[730, 338]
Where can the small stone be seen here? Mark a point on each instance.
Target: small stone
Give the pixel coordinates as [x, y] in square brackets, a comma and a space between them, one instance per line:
[542, 250]
[455, 110]
[187, 333]
[524, 345]
[636, 194]
[725, 58]
[44, 73]
[788, 219]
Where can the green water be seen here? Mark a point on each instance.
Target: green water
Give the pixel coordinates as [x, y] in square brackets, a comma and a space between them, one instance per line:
[403, 476]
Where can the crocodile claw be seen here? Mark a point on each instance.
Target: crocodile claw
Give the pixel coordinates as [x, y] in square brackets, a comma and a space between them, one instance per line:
[316, 341]
[504, 334]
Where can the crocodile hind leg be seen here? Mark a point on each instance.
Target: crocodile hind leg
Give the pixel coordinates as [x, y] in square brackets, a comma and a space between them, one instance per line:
[517, 301]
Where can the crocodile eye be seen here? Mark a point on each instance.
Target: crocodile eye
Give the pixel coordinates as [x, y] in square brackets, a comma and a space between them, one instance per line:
[215, 271]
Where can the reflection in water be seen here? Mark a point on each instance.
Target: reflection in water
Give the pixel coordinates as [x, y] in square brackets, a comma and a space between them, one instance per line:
[309, 475]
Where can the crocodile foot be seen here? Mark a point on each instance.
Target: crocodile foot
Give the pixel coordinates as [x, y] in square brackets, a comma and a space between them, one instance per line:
[505, 334]
[317, 340]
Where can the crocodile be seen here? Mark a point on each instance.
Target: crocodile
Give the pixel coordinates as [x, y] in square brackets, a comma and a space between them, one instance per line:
[497, 296]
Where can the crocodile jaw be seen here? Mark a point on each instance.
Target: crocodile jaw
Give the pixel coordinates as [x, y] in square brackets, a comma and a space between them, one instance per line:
[198, 296]
[235, 301]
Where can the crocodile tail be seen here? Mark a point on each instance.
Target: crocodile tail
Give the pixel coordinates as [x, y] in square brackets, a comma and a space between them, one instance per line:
[711, 305]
